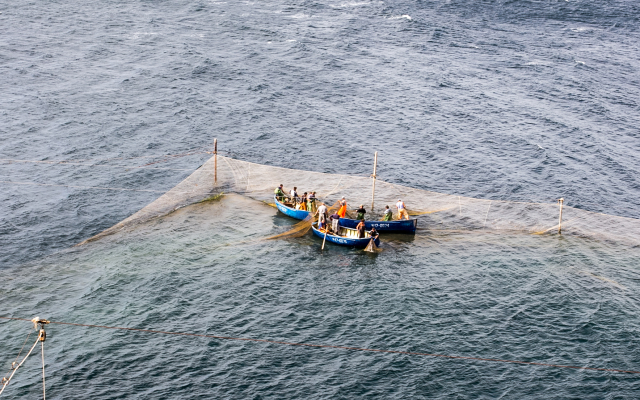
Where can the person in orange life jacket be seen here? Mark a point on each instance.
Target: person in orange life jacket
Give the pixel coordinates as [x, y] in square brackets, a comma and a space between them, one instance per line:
[360, 229]
[343, 208]
[402, 210]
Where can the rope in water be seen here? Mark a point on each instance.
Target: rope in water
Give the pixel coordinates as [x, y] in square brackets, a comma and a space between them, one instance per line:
[5, 383]
[83, 187]
[325, 346]
[74, 163]
[166, 157]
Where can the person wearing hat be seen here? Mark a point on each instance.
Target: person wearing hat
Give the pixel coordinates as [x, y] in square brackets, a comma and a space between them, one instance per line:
[280, 193]
[343, 207]
[402, 210]
[361, 212]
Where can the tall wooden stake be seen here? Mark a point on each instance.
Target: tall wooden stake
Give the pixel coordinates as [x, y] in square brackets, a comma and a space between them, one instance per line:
[215, 160]
[561, 201]
[373, 190]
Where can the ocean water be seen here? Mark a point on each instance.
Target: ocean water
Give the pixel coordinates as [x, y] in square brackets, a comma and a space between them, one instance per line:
[502, 100]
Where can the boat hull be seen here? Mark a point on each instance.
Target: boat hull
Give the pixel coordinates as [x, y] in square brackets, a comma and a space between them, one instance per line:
[403, 226]
[344, 241]
[291, 212]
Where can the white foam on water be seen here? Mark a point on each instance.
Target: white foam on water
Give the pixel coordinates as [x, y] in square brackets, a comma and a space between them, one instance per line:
[407, 17]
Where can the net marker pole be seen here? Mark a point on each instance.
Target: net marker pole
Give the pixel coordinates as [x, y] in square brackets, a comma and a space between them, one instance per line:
[373, 190]
[215, 160]
[561, 202]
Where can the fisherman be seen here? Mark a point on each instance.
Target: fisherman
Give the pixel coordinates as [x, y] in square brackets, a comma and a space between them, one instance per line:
[294, 195]
[303, 202]
[311, 202]
[322, 216]
[279, 193]
[361, 212]
[373, 232]
[335, 223]
[388, 214]
[343, 207]
[360, 229]
[402, 210]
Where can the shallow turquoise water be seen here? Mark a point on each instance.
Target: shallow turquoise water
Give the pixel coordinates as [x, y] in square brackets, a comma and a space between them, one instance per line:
[206, 269]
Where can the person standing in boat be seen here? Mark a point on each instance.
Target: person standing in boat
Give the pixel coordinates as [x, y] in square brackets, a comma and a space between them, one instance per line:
[294, 196]
[388, 214]
[361, 212]
[311, 202]
[402, 210]
[279, 192]
[303, 202]
[322, 216]
[360, 229]
[343, 207]
[335, 223]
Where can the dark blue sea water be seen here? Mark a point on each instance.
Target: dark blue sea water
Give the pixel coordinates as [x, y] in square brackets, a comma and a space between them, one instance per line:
[502, 100]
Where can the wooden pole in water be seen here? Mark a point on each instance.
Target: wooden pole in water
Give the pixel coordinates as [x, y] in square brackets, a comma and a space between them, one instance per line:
[215, 160]
[373, 190]
[561, 202]
[326, 229]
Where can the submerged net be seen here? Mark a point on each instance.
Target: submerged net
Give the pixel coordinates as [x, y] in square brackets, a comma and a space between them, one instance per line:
[434, 211]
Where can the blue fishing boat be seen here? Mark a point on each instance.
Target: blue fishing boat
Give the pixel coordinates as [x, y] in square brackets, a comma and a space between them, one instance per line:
[289, 210]
[347, 237]
[402, 226]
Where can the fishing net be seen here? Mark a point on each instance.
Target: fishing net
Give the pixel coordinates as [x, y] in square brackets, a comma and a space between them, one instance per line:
[434, 211]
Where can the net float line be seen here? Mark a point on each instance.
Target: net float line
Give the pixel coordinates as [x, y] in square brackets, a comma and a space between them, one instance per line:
[327, 346]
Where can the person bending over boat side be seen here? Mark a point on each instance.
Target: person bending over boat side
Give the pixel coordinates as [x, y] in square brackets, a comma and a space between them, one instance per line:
[343, 207]
[322, 216]
[279, 192]
[335, 223]
[373, 232]
[361, 212]
[402, 210]
[388, 214]
[360, 229]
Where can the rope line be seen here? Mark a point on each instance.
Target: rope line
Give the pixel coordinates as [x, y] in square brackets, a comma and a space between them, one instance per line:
[88, 187]
[200, 150]
[95, 165]
[44, 392]
[339, 347]
[4, 385]
[20, 352]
